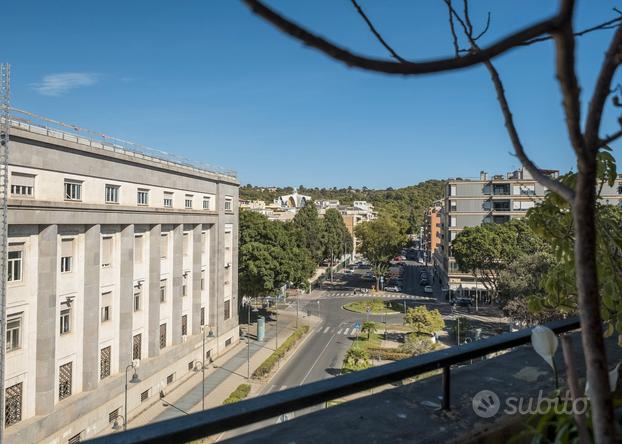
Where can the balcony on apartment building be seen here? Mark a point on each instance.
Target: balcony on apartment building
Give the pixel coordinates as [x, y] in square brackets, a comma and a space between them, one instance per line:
[428, 398]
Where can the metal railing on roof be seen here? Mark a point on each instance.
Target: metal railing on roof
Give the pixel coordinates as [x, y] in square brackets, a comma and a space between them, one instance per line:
[220, 419]
[37, 124]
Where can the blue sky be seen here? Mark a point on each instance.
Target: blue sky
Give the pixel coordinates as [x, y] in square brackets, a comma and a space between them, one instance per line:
[210, 81]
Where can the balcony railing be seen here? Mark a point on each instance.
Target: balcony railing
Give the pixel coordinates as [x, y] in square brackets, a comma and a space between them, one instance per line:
[220, 419]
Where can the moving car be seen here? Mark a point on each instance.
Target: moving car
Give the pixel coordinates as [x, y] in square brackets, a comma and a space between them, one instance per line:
[428, 289]
[463, 302]
[393, 288]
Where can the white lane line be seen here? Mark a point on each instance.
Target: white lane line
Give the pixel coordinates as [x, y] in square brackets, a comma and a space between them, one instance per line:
[354, 331]
[326, 330]
[318, 358]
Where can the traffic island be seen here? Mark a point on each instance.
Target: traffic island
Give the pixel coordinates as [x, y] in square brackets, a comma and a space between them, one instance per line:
[266, 367]
[373, 307]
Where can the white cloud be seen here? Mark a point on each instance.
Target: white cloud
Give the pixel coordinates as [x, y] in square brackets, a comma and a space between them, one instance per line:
[61, 83]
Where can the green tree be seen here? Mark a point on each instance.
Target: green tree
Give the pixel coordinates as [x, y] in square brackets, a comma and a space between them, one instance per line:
[357, 359]
[487, 249]
[370, 328]
[307, 229]
[381, 239]
[415, 344]
[336, 238]
[424, 321]
[380, 270]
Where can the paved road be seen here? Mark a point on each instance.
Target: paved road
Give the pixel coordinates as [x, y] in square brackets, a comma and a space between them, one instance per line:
[321, 356]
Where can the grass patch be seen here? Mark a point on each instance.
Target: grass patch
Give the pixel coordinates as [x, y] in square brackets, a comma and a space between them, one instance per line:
[377, 306]
[238, 394]
[271, 361]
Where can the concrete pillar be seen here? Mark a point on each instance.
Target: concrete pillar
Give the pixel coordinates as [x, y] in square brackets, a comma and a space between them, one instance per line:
[46, 319]
[153, 334]
[215, 290]
[196, 278]
[90, 344]
[177, 271]
[126, 296]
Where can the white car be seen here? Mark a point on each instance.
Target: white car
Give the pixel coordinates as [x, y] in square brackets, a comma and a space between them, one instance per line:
[428, 289]
[393, 288]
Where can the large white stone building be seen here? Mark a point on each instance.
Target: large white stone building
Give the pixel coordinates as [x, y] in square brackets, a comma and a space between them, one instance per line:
[115, 257]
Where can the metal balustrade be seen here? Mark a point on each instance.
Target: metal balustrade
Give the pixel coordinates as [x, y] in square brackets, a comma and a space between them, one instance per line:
[220, 419]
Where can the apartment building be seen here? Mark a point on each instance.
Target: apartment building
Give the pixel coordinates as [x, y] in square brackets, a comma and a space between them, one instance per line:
[494, 199]
[117, 259]
[432, 229]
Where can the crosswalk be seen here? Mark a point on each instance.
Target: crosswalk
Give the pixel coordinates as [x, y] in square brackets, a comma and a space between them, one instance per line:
[336, 294]
[339, 330]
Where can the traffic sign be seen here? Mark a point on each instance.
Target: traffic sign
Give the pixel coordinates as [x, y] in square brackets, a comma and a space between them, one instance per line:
[357, 324]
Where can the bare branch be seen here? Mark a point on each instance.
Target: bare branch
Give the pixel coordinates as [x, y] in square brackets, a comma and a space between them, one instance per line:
[610, 24]
[454, 36]
[485, 30]
[554, 185]
[612, 61]
[373, 30]
[608, 139]
[465, 4]
[567, 77]
[405, 68]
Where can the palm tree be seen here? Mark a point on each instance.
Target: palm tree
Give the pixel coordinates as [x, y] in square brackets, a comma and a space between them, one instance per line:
[369, 327]
[379, 269]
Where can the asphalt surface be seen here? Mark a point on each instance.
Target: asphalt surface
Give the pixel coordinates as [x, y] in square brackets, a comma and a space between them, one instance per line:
[322, 354]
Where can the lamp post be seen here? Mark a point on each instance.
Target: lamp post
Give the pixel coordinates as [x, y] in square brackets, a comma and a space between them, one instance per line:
[211, 336]
[134, 380]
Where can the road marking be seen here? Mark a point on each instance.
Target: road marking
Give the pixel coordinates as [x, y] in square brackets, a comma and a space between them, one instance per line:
[283, 387]
[345, 332]
[354, 331]
[318, 358]
[339, 332]
[271, 388]
[326, 329]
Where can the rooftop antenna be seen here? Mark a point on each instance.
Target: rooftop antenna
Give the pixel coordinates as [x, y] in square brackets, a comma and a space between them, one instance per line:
[5, 124]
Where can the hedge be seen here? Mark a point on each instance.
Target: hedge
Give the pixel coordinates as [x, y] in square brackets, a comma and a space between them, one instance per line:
[385, 354]
[271, 361]
[238, 394]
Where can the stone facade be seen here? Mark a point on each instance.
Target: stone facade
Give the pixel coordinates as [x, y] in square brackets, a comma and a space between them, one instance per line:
[115, 259]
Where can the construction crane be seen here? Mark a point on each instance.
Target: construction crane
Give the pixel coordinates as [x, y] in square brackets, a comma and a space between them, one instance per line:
[5, 125]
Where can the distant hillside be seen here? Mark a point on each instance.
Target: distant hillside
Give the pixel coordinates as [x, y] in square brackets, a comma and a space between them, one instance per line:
[407, 205]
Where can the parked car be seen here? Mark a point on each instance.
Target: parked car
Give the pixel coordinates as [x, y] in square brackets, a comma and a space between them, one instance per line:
[347, 271]
[420, 260]
[428, 289]
[463, 302]
[393, 288]
[424, 282]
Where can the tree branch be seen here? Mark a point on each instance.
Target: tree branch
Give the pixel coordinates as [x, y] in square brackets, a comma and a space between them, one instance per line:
[612, 61]
[405, 68]
[454, 36]
[566, 75]
[373, 30]
[608, 139]
[610, 24]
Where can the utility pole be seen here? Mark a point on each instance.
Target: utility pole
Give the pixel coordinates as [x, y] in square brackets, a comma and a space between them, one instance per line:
[5, 125]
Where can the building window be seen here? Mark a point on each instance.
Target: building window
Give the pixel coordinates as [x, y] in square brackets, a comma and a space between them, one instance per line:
[184, 284]
[453, 205]
[106, 255]
[228, 204]
[22, 185]
[106, 306]
[203, 241]
[227, 309]
[228, 342]
[14, 264]
[64, 381]
[66, 255]
[163, 246]
[168, 200]
[170, 378]
[75, 439]
[142, 197]
[190, 365]
[163, 291]
[104, 362]
[619, 189]
[188, 201]
[184, 325]
[144, 396]
[202, 315]
[112, 194]
[138, 249]
[137, 346]
[162, 336]
[185, 245]
[453, 221]
[206, 203]
[202, 279]
[113, 416]
[13, 404]
[452, 190]
[73, 190]
[65, 320]
[13, 332]
[137, 298]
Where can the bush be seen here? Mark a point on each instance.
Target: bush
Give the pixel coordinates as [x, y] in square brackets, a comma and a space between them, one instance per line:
[385, 354]
[423, 320]
[271, 361]
[238, 394]
[356, 359]
[415, 345]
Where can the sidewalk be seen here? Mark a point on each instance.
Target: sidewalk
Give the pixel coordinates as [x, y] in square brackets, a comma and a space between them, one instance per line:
[221, 378]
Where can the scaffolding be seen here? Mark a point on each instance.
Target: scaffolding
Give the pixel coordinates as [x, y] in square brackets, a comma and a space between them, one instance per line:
[5, 89]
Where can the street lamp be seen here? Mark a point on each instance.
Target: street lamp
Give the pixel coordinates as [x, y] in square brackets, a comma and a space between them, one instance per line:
[135, 379]
[210, 335]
